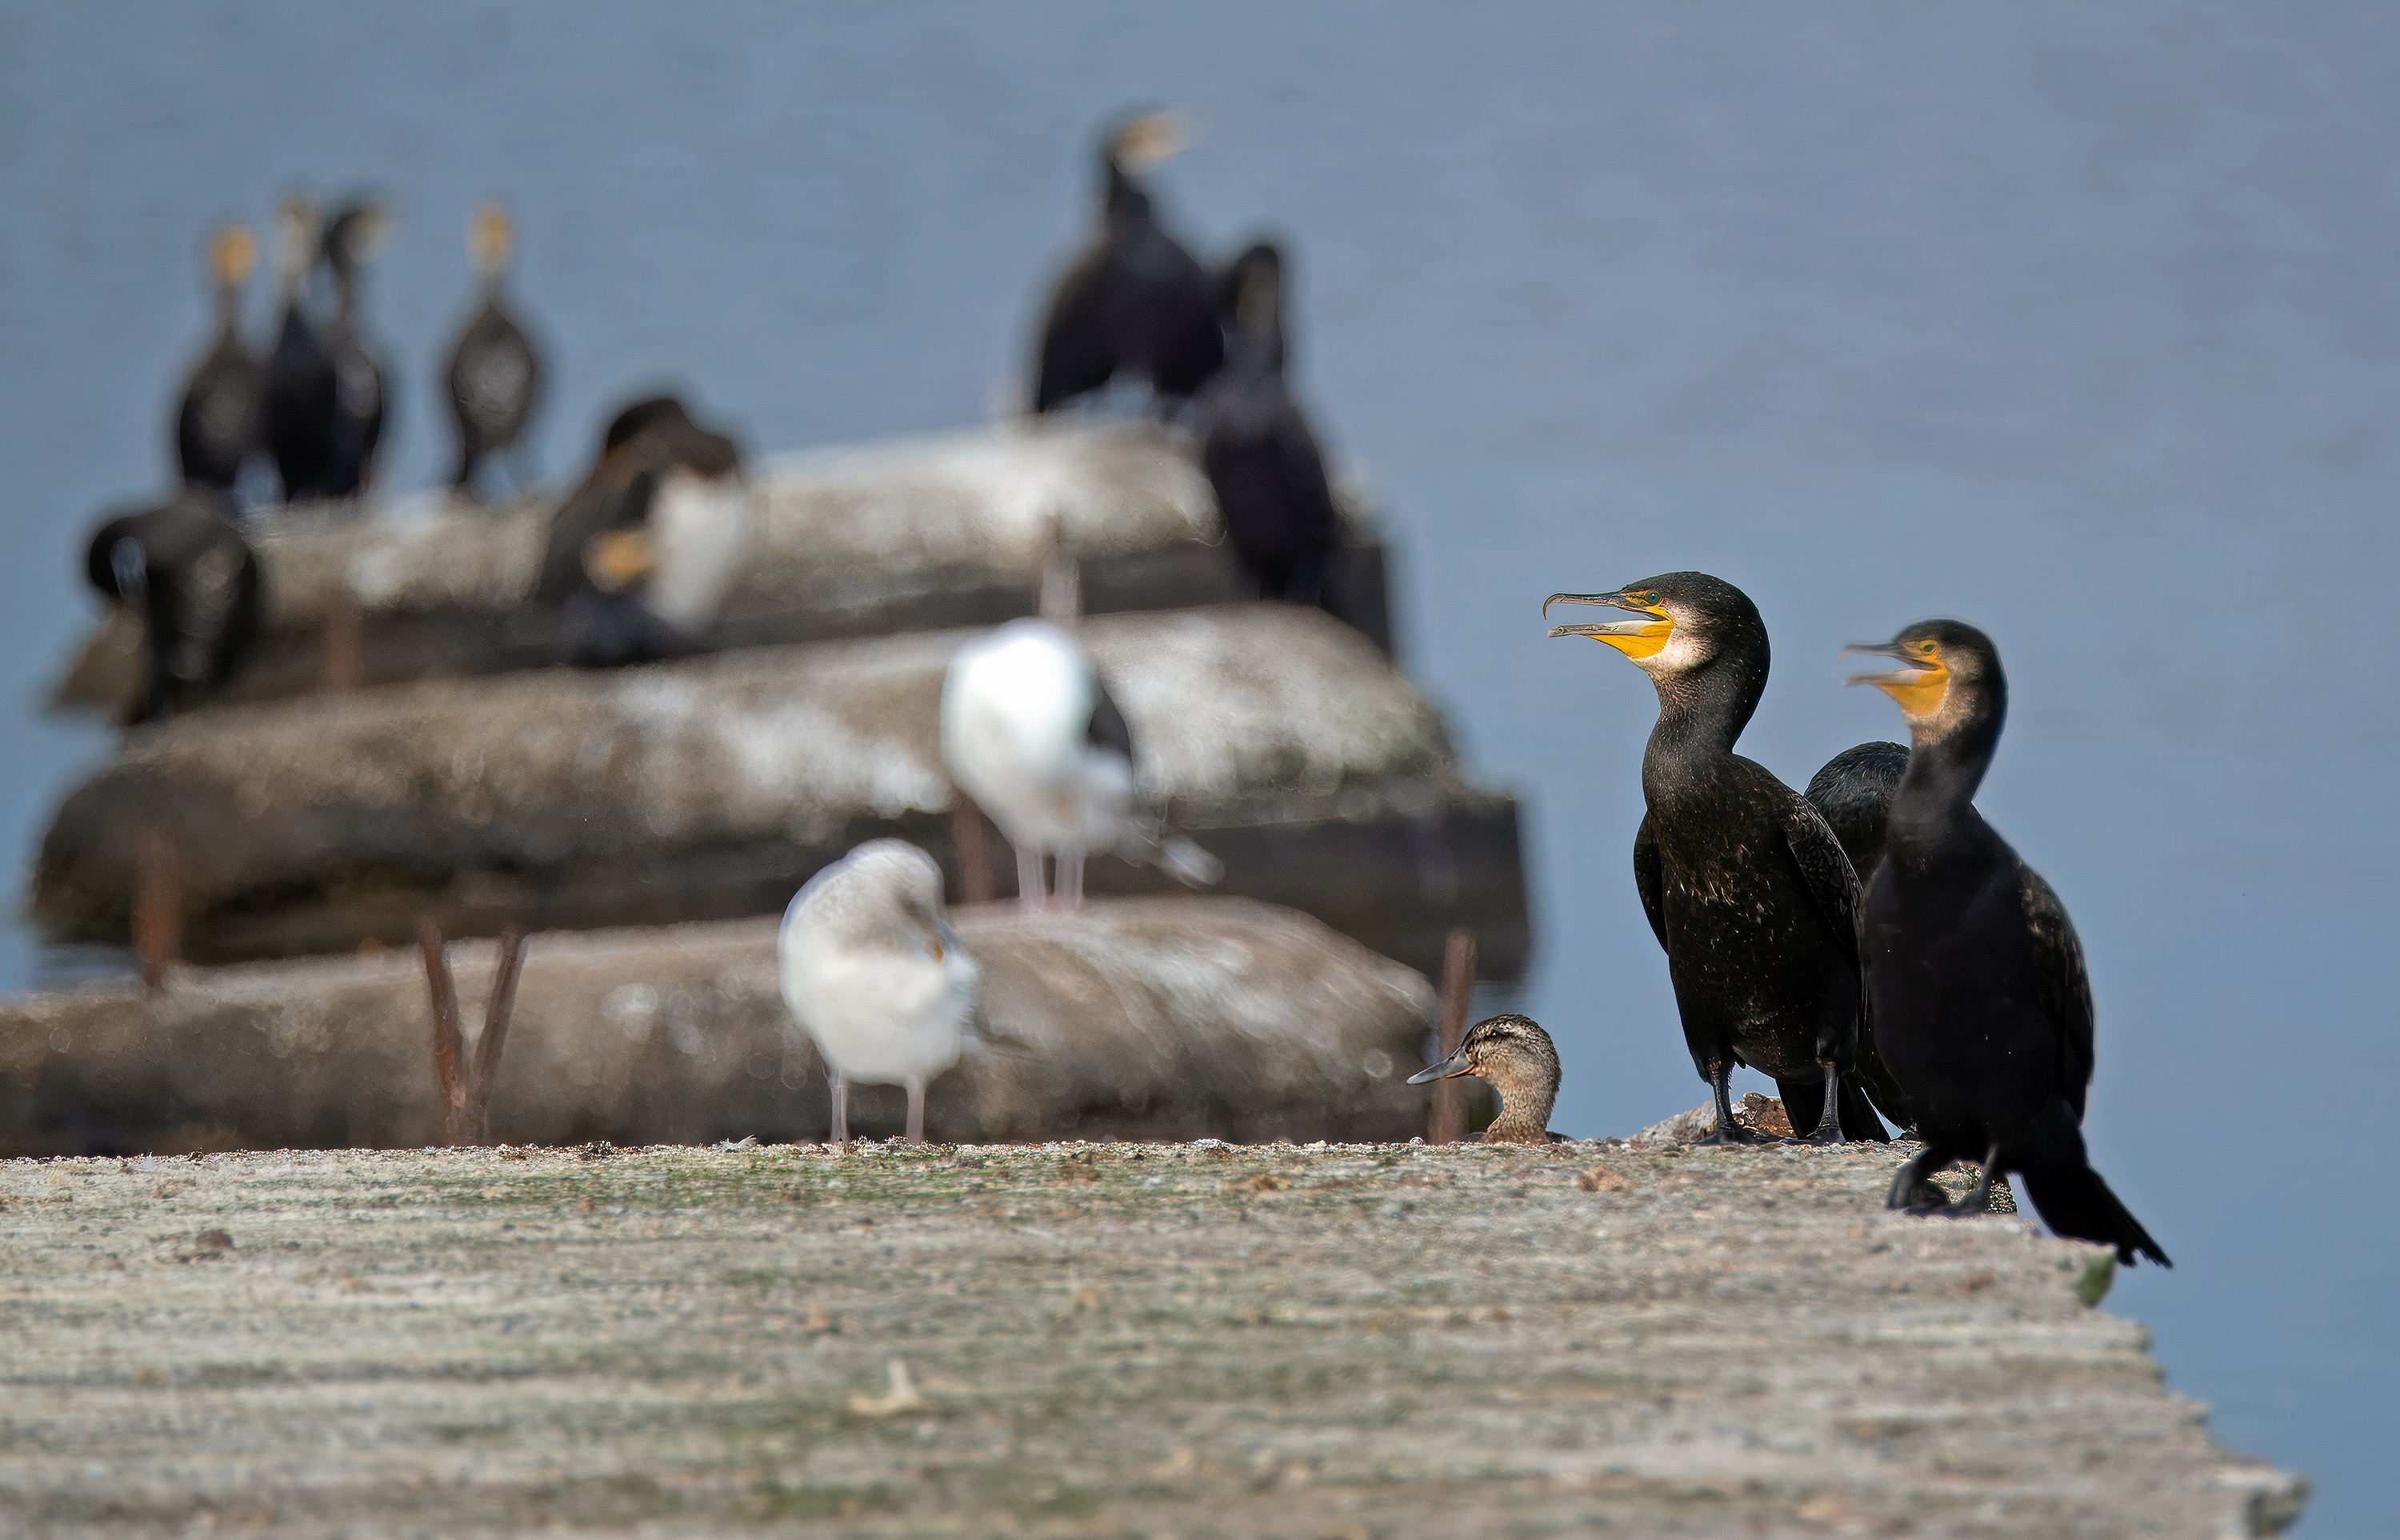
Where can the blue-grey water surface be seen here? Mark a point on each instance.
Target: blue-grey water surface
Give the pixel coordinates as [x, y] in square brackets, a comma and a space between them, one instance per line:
[2079, 322]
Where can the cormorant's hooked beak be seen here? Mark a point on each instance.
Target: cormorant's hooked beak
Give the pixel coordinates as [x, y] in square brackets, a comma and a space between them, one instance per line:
[1917, 685]
[1455, 1063]
[1148, 140]
[1636, 639]
[618, 559]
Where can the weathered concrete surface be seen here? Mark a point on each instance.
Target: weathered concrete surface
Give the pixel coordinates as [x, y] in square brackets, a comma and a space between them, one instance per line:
[911, 535]
[1103, 1341]
[1284, 741]
[1166, 1017]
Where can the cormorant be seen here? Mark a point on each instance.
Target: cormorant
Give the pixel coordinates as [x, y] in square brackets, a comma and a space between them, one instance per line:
[1853, 792]
[1982, 1005]
[1136, 303]
[1515, 1057]
[296, 410]
[1235, 277]
[1262, 461]
[644, 551]
[216, 427]
[1029, 732]
[873, 974]
[192, 578]
[1745, 887]
[494, 376]
[356, 426]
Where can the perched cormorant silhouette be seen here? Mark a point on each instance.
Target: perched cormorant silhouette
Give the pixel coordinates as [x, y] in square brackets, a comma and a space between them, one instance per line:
[1515, 1057]
[187, 572]
[355, 428]
[1745, 887]
[1135, 303]
[296, 410]
[1029, 732]
[216, 427]
[1235, 277]
[644, 551]
[495, 376]
[1261, 459]
[874, 976]
[1982, 1008]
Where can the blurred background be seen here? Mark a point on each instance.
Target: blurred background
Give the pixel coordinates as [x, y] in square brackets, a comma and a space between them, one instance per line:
[2079, 324]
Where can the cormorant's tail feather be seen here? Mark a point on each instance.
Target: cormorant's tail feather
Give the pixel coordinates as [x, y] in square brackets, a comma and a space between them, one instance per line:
[2076, 1201]
[1859, 1120]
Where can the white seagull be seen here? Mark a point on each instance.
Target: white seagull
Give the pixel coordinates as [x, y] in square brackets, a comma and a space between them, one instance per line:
[1029, 732]
[872, 973]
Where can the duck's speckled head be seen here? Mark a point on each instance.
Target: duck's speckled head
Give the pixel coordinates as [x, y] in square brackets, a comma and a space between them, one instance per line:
[1516, 1056]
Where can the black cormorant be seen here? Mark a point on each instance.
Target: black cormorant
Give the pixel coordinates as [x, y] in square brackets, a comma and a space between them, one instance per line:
[643, 552]
[1745, 886]
[1854, 793]
[1136, 303]
[1982, 1005]
[1515, 1057]
[1233, 277]
[216, 427]
[187, 572]
[494, 376]
[1260, 457]
[296, 409]
[355, 429]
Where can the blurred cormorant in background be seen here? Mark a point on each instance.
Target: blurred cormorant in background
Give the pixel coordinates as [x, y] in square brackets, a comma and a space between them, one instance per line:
[186, 571]
[1982, 1008]
[1745, 887]
[1853, 792]
[216, 427]
[1135, 303]
[297, 407]
[1262, 461]
[495, 376]
[355, 426]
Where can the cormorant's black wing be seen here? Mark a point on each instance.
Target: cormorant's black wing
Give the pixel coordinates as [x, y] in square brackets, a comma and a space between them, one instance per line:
[2061, 984]
[1079, 342]
[1649, 877]
[1826, 870]
[1107, 730]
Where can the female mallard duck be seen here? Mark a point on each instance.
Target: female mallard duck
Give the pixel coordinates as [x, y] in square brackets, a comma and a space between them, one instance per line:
[1513, 1057]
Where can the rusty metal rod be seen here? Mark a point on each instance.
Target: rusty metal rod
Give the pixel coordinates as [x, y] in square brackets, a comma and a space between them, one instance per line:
[505, 968]
[1446, 1120]
[449, 1046]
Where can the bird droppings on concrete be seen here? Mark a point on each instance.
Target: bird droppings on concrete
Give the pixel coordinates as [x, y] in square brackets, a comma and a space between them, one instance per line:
[1071, 1339]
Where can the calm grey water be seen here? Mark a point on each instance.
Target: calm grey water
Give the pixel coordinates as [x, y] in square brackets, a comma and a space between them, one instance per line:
[2081, 324]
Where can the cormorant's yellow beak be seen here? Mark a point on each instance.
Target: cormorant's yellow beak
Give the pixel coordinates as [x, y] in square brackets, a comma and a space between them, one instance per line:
[1455, 1063]
[1636, 639]
[232, 254]
[1918, 686]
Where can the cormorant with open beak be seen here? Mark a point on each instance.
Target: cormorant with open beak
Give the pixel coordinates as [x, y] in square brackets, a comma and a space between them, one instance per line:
[1136, 303]
[1982, 1006]
[216, 427]
[1515, 1057]
[1261, 458]
[1745, 886]
[495, 376]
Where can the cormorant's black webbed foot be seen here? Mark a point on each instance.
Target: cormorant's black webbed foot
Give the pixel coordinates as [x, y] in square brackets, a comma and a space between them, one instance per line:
[1978, 1200]
[1828, 1122]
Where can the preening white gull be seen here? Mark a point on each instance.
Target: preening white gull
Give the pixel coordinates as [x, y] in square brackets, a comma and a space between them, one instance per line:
[1029, 732]
[873, 974]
